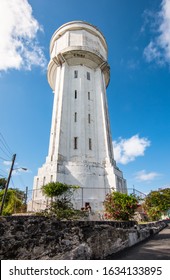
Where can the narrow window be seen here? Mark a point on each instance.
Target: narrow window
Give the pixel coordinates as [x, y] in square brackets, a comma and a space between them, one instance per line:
[75, 117]
[36, 190]
[75, 74]
[88, 75]
[43, 181]
[89, 119]
[75, 142]
[75, 94]
[37, 183]
[90, 144]
[51, 179]
[88, 95]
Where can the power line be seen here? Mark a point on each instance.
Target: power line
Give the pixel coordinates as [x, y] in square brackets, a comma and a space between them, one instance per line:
[21, 180]
[3, 147]
[5, 152]
[12, 183]
[5, 144]
[3, 171]
[2, 176]
[4, 159]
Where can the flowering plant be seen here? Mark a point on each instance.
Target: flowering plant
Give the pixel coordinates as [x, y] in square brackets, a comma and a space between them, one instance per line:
[120, 206]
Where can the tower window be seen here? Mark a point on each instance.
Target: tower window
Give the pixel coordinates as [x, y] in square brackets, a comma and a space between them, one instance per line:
[75, 94]
[75, 143]
[58, 168]
[89, 118]
[88, 95]
[75, 117]
[43, 181]
[51, 178]
[90, 144]
[37, 183]
[75, 74]
[88, 75]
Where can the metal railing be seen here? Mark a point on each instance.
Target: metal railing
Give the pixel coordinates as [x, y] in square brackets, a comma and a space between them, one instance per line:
[37, 201]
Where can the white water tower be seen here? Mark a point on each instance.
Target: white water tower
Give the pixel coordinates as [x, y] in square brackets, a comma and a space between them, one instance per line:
[80, 148]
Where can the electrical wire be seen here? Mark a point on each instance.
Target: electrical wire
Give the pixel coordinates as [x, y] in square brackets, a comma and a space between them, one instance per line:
[3, 171]
[5, 144]
[2, 176]
[5, 152]
[13, 183]
[4, 159]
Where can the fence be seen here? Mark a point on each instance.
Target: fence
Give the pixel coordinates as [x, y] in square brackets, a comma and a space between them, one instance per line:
[94, 196]
[140, 195]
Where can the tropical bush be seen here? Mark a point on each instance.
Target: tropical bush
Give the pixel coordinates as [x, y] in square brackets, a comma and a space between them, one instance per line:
[120, 206]
[14, 201]
[56, 189]
[2, 183]
[157, 203]
[154, 214]
[61, 205]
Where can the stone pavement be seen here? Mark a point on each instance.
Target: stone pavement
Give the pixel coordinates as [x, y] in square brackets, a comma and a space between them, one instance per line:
[156, 248]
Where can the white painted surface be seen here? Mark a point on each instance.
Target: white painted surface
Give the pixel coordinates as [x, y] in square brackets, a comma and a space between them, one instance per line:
[78, 46]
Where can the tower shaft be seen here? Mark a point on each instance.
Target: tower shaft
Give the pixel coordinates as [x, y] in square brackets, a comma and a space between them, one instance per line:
[80, 149]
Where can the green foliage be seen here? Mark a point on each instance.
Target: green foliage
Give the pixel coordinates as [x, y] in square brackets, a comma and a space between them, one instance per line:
[61, 205]
[2, 183]
[55, 189]
[13, 201]
[64, 210]
[120, 206]
[156, 203]
[154, 213]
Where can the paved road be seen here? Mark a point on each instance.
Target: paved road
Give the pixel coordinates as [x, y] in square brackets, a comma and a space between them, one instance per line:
[157, 248]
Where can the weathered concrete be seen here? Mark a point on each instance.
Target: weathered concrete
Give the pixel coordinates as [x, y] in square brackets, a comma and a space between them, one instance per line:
[45, 238]
[155, 248]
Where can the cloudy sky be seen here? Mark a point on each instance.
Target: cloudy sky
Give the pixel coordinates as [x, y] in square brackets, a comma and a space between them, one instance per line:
[138, 37]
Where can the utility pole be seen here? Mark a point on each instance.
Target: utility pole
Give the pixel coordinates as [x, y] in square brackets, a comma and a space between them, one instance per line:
[26, 195]
[7, 183]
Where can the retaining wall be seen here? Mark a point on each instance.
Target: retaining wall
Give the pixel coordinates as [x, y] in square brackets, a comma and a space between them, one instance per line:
[35, 237]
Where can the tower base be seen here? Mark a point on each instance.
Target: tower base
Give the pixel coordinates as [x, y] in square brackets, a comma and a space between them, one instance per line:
[95, 180]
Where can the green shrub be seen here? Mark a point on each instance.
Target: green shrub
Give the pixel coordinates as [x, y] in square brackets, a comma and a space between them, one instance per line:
[14, 201]
[120, 206]
[61, 206]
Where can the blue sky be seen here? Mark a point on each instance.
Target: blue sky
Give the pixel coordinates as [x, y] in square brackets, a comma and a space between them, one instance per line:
[138, 38]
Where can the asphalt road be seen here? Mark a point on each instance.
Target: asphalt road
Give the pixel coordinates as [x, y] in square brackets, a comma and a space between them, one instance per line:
[157, 248]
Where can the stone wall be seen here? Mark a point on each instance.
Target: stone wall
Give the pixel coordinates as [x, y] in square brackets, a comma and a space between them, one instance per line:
[34, 237]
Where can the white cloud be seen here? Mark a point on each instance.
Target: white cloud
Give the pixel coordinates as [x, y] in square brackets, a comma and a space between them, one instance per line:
[158, 48]
[16, 170]
[19, 47]
[165, 186]
[151, 53]
[144, 176]
[20, 170]
[6, 162]
[126, 150]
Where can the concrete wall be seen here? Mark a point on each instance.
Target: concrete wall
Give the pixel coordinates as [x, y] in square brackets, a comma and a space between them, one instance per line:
[29, 237]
